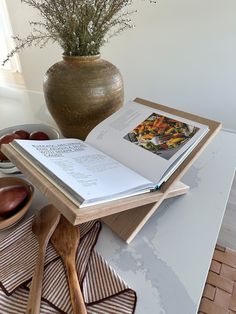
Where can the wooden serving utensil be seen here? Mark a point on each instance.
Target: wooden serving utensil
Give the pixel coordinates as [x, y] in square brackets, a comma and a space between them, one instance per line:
[65, 240]
[43, 226]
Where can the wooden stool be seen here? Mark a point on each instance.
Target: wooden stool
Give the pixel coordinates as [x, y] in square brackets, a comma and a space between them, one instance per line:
[219, 295]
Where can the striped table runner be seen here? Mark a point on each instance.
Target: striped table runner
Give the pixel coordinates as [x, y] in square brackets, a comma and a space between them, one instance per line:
[104, 291]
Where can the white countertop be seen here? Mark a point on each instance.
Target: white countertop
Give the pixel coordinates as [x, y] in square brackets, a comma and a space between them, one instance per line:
[167, 263]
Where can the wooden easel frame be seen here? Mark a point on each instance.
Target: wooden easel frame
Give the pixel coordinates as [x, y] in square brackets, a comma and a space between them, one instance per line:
[126, 216]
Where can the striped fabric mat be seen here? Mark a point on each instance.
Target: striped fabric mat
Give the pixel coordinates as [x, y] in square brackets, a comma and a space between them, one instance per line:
[104, 291]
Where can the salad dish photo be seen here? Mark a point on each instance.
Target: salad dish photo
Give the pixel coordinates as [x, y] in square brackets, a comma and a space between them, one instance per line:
[161, 135]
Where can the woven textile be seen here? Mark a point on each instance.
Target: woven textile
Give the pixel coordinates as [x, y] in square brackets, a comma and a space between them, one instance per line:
[219, 296]
[104, 291]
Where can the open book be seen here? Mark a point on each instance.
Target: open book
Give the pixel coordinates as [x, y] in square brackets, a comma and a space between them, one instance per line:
[133, 151]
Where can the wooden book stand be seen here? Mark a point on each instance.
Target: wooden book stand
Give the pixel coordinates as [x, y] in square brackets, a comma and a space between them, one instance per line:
[126, 216]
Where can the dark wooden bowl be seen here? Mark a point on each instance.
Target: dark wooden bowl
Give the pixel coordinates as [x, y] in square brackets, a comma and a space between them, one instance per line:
[14, 218]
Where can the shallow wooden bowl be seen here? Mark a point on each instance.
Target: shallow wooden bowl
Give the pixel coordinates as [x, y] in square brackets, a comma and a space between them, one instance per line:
[10, 181]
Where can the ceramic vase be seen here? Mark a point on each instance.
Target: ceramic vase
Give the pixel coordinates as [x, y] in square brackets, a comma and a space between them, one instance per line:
[80, 92]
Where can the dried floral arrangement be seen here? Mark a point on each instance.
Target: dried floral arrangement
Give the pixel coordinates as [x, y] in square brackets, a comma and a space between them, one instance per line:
[80, 27]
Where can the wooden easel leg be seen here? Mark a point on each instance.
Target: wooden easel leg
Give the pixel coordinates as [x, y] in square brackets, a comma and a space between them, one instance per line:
[128, 223]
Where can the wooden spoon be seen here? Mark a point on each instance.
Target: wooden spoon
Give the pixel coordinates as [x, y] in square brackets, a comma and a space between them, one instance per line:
[65, 240]
[43, 226]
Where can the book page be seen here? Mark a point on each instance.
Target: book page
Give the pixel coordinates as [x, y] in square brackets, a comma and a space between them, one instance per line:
[88, 172]
[145, 139]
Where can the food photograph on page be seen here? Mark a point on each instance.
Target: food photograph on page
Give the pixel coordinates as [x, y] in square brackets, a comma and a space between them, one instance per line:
[161, 135]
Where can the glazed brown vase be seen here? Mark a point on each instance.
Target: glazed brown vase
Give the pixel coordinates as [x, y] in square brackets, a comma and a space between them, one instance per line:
[80, 92]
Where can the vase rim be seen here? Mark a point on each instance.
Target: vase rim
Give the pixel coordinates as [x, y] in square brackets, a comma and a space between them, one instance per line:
[81, 58]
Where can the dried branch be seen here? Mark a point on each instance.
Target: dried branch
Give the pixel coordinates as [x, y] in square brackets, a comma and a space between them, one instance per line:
[80, 27]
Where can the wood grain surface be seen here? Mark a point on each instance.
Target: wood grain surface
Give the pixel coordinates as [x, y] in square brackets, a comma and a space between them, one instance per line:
[65, 240]
[43, 226]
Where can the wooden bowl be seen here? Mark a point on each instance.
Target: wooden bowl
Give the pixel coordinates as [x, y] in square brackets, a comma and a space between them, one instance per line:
[17, 216]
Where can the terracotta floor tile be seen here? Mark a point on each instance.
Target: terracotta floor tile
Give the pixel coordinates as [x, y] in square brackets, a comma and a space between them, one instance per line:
[219, 296]
[220, 282]
[222, 298]
[215, 266]
[209, 292]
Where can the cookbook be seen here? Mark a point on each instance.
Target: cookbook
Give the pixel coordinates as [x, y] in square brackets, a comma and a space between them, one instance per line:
[133, 151]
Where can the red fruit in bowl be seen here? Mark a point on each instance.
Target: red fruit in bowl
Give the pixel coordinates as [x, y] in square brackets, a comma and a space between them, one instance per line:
[6, 139]
[24, 135]
[38, 136]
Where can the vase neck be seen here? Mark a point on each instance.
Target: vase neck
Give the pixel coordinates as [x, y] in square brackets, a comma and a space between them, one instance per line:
[81, 58]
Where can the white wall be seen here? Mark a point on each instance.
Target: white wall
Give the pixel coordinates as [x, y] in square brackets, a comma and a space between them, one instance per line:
[181, 53]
